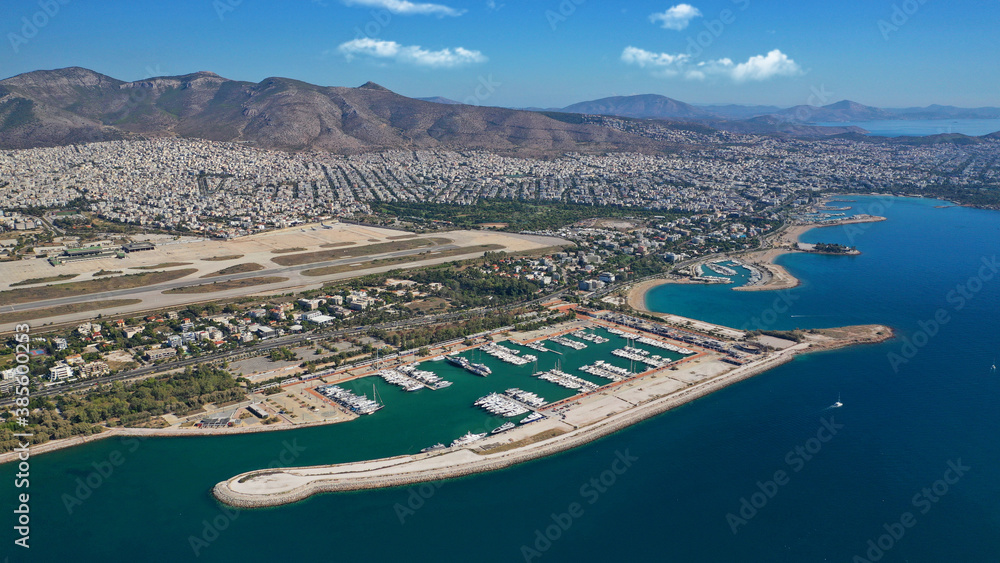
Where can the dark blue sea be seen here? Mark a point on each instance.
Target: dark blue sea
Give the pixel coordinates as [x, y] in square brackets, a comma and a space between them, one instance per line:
[923, 127]
[762, 471]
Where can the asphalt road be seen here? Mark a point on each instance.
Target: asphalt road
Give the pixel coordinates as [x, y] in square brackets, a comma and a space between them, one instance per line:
[268, 345]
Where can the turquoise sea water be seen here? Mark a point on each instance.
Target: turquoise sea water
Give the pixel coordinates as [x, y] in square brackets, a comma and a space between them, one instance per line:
[686, 470]
[922, 127]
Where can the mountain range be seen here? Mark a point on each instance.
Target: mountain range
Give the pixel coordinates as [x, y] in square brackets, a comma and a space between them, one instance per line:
[653, 106]
[76, 105]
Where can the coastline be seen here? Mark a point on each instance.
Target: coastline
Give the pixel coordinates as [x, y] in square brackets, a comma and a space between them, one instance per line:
[777, 276]
[274, 487]
[111, 432]
[636, 298]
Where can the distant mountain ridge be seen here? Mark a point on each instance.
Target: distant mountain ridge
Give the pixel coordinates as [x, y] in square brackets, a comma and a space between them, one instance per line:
[439, 100]
[646, 106]
[76, 105]
[654, 106]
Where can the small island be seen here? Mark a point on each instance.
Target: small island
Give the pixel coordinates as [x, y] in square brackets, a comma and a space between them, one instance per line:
[828, 248]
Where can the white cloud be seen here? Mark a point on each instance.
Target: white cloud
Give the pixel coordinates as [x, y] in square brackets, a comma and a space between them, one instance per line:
[756, 68]
[647, 59]
[762, 67]
[676, 17]
[406, 8]
[409, 54]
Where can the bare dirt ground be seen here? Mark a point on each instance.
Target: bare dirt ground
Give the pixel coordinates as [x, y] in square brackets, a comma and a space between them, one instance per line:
[206, 257]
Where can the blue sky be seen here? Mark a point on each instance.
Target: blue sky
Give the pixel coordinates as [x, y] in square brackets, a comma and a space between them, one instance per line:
[544, 53]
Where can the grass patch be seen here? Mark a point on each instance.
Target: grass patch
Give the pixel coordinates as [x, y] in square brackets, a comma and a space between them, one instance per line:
[400, 260]
[29, 294]
[20, 316]
[50, 279]
[518, 215]
[237, 269]
[353, 252]
[428, 306]
[226, 285]
[529, 440]
[287, 250]
[402, 237]
[223, 258]
[161, 265]
[99, 273]
[539, 252]
[336, 244]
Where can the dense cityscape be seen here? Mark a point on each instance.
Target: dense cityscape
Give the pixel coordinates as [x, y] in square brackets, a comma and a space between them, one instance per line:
[226, 190]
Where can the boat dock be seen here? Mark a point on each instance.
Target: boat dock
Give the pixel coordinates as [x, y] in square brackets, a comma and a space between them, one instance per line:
[665, 345]
[428, 378]
[509, 355]
[718, 268]
[394, 377]
[600, 368]
[500, 405]
[358, 404]
[640, 355]
[568, 343]
[566, 380]
[526, 397]
[590, 337]
[538, 346]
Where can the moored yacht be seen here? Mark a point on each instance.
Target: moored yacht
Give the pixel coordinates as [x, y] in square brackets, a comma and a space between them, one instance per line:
[467, 439]
[503, 427]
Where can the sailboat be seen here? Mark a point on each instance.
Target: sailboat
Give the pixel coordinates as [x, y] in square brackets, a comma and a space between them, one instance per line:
[838, 404]
[376, 398]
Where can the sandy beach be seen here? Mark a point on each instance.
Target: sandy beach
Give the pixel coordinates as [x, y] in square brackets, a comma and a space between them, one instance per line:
[775, 277]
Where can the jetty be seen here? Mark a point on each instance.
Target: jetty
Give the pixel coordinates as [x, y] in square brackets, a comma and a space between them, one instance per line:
[589, 415]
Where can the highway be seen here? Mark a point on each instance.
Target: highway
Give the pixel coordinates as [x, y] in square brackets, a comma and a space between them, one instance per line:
[264, 346]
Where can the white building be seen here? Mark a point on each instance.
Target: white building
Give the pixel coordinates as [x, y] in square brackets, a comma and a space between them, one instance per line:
[60, 371]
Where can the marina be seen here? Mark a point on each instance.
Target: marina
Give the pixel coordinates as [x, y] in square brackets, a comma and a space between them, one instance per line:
[537, 346]
[481, 370]
[358, 404]
[597, 359]
[590, 337]
[566, 380]
[756, 276]
[577, 419]
[568, 343]
[508, 355]
[720, 269]
[396, 378]
[600, 368]
[500, 405]
[665, 345]
[428, 378]
[526, 397]
[640, 355]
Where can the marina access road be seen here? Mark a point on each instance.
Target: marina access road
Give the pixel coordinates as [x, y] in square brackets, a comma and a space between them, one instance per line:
[265, 346]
